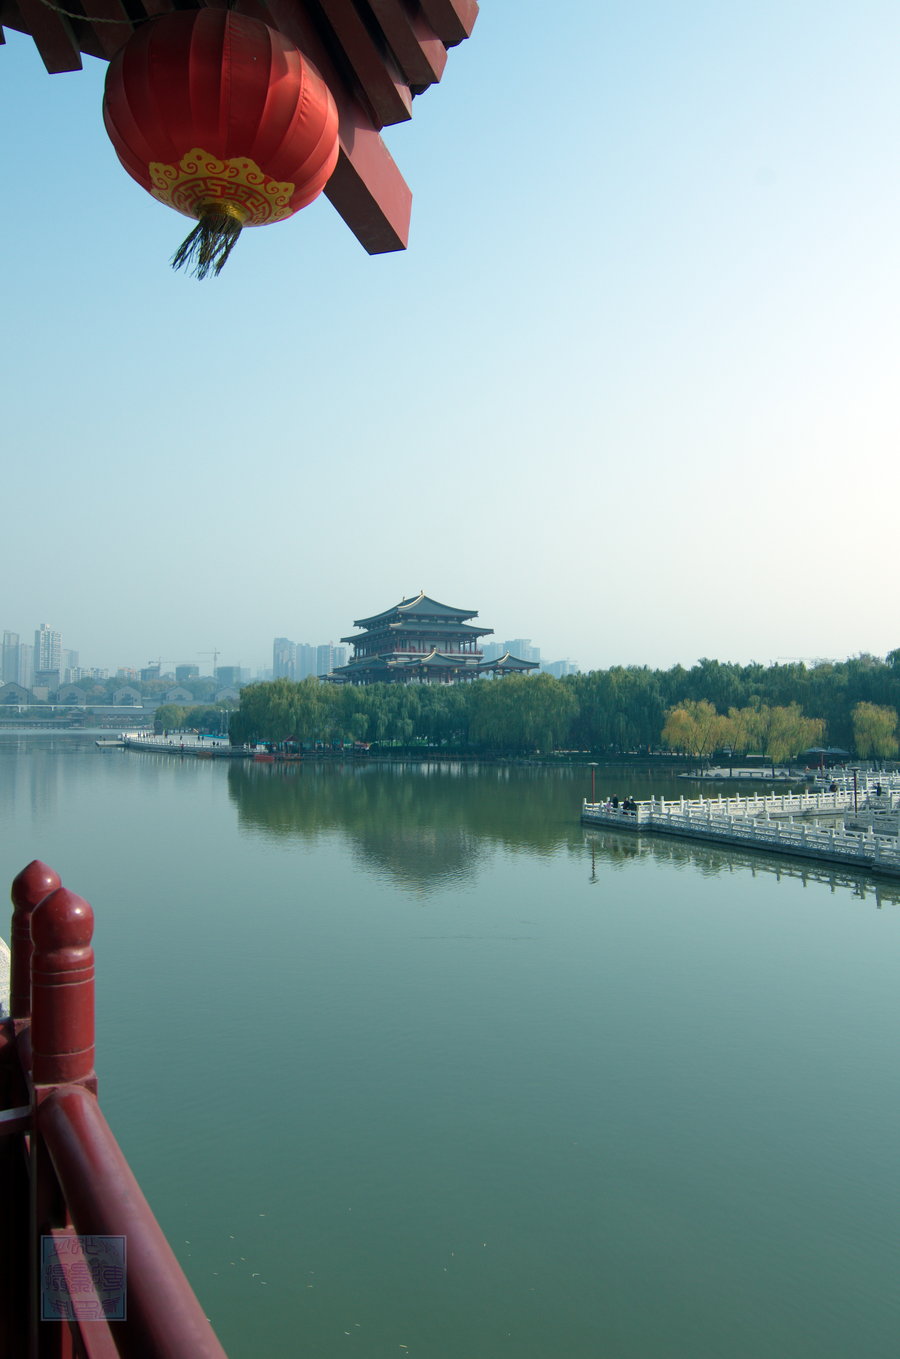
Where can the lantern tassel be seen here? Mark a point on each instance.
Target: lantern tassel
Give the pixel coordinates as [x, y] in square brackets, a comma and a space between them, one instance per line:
[206, 249]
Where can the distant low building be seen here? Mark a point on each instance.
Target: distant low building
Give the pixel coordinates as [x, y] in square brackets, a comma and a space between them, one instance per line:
[15, 693]
[178, 695]
[46, 680]
[72, 693]
[127, 697]
[421, 640]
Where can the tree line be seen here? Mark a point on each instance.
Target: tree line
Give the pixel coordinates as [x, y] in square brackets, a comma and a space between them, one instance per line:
[776, 711]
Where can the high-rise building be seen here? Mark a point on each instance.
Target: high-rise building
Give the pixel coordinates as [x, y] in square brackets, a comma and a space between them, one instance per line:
[306, 660]
[47, 648]
[560, 668]
[186, 672]
[521, 647]
[9, 672]
[325, 658]
[26, 665]
[228, 676]
[284, 658]
[69, 671]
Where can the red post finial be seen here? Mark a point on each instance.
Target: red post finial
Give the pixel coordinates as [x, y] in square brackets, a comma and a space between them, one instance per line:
[28, 889]
[62, 989]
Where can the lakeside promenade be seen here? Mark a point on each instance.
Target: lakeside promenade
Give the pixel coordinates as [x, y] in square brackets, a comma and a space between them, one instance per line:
[781, 823]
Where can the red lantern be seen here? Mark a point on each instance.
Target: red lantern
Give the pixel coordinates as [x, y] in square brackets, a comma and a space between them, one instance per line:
[223, 119]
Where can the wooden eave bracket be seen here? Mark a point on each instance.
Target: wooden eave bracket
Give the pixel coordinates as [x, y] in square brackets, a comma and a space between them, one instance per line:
[418, 50]
[370, 193]
[380, 85]
[366, 188]
[53, 36]
[452, 20]
[109, 36]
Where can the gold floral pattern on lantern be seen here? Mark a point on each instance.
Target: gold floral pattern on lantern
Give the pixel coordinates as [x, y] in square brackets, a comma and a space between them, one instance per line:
[200, 181]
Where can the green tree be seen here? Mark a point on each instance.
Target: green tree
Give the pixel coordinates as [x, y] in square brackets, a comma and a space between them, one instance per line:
[695, 727]
[519, 714]
[782, 732]
[874, 731]
[170, 717]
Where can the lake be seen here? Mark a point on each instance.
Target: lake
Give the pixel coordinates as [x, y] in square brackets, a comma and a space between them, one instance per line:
[408, 1063]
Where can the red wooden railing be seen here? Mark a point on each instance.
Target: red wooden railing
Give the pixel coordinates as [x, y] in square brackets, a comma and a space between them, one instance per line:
[63, 1173]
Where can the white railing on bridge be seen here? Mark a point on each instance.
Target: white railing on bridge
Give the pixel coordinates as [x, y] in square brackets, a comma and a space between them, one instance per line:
[760, 822]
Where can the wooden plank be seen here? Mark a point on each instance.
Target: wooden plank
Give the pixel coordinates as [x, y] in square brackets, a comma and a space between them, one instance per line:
[418, 50]
[380, 83]
[452, 20]
[53, 36]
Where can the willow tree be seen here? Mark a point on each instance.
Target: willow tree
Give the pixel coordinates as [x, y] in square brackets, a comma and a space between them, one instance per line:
[782, 732]
[696, 728]
[874, 731]
[519, 714]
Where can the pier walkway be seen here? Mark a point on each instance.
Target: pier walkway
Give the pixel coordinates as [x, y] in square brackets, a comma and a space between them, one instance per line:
[185, 743]
[783, 823]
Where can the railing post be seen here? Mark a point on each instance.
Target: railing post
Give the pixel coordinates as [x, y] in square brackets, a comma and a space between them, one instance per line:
[62, 1053]
[62, 990]
[28, 889]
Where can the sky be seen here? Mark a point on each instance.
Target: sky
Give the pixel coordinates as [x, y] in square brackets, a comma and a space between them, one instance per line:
[631, 392]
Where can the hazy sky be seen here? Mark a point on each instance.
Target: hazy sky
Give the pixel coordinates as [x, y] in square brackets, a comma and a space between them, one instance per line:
[631, 392]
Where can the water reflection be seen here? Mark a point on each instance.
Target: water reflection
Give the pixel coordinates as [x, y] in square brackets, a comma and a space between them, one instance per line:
[617, 850]
[421, 824]
[32, 777]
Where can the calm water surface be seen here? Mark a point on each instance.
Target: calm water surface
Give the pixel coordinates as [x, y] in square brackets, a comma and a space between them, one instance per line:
[409, 1064]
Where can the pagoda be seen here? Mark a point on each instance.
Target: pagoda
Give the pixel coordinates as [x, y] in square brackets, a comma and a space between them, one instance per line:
[422, 640]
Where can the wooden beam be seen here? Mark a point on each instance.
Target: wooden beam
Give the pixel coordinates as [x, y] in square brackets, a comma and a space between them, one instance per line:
[369, 191]
[381, 85]
[452, 20]
[114, 33]
[53, 36]
[366, 188]
[418, 50]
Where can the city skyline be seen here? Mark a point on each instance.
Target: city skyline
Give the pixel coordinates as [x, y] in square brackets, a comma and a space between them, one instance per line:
[293, 665]
[631, 390]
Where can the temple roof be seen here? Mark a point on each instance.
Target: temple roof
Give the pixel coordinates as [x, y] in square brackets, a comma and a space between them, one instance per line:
[396, 630]
[417, 606]
[374, 56]
[509, 664]
[437, 660]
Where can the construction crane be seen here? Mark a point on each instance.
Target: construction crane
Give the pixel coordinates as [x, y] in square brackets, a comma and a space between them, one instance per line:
[215, 655]
[809, 660]
[160, 663]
